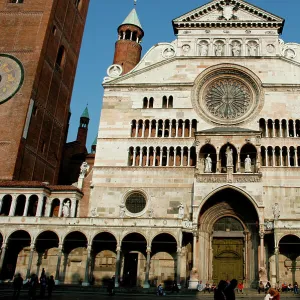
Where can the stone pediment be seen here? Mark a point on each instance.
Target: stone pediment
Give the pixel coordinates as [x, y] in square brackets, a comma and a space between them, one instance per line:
[228, 13]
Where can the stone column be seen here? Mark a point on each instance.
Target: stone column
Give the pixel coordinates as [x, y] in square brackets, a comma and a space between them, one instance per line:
[154, 157]
[288, 157]
[277, 264]
[146, 282]
[258, 160]
[266, 126]
[273, 129]
[178, 265]
[189, 157]
[59, 254]
[87, 266]
[262, 248]
[40, 206]
[280, 128]
[26, 206]
[190, 132]
[143, 130]
[168, 157]
[183, 129]
[177, 125]
[239, 162]
[1, 202]
[2, 256]
[141, 157]
[136, 129]
[117, 271]
[134, 157]
[181, 158]
[281, 161]
[273, 157]
[61, 204]
[160, 156]
[294, 123]
[73, 208]
[218, 161]
[163, 128]
[267, 157]
[156, 129]
[13, 205]
[296, 160]
[170, 129]
[147, 160]
[32, 248]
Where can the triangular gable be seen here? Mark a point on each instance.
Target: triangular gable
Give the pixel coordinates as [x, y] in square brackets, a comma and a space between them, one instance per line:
[228, 13]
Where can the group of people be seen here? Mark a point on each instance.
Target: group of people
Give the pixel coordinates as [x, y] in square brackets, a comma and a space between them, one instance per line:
[283, 288]
[225, 290]
[32, 283]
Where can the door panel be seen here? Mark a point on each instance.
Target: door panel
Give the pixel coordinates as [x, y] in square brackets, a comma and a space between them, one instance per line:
[228, 259]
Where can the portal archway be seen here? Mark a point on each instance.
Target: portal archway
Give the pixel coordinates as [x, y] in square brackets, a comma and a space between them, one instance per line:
[229, 236]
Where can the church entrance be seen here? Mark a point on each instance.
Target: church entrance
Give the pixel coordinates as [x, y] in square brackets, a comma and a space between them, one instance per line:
[227, 259]
[228, 225]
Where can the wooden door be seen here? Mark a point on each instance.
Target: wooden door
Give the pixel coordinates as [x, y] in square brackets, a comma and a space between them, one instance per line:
[228, 259]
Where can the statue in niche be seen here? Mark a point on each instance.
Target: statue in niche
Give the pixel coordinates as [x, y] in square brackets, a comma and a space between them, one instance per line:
[252, 48]
[248, 164]
[276, 211]
[236, 48]
[66, 209]
[180, 211]
[208, 164]
[219, 49]
[229, 157]
[203, 49]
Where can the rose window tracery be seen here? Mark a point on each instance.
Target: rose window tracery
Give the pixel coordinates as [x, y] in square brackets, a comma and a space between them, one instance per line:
[227, 98]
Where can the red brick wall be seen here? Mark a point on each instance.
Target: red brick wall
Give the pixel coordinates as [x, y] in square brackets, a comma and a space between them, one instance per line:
[27, 32]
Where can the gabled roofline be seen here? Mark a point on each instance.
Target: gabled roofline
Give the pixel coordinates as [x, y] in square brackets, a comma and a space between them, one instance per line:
[186, 20]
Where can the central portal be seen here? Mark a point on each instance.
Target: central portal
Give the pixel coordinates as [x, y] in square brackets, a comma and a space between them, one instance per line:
[228, 259]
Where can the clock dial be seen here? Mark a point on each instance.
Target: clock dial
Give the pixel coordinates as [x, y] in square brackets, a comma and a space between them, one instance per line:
[11, 77]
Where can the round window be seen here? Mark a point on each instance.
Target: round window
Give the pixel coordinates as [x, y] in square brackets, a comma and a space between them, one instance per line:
[135, 203]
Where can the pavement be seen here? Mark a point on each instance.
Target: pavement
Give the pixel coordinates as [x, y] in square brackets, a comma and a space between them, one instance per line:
[91, 293]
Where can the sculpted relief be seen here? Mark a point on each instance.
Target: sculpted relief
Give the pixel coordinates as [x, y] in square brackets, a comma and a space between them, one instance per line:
[202, 48]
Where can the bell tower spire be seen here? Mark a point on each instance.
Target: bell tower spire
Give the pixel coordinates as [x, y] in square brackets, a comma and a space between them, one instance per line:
[128, 48]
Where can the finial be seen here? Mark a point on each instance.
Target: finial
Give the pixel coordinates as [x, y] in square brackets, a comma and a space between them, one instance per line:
[135, 2]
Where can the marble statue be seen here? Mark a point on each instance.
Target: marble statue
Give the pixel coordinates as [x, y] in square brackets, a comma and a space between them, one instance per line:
[180, 211]
[252, 48]
[276, 211]
[236, 49]
[219, 49]
[248, 164]
[66, 209]
[203, 49]
[84, 168]
[229, 157]
[122, 210]
[208, 164]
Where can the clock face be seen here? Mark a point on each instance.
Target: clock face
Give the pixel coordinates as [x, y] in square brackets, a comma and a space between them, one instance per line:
[11, 77]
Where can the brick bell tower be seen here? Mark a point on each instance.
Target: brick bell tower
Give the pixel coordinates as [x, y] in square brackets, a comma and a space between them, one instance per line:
[128, 48]
[39, 48]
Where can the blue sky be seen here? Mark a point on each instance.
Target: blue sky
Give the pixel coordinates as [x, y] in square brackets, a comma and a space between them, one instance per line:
[156, 17]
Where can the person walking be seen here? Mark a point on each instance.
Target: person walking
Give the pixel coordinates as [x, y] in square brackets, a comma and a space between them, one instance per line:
[51, 284]
[296, 288]
[33, 282]
[17, 285]
[219, 291]
[43, 285]
[230, 290]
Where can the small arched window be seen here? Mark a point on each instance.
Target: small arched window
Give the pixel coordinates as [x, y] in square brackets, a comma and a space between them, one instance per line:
[127, 35]
[61, 57]
[16, 1]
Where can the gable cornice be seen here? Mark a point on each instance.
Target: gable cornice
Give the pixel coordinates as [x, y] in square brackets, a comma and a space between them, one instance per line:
[190, 19]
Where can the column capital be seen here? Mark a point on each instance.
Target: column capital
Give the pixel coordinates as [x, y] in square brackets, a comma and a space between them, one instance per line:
[261, 234]
[148, 250]
[4, 246]
[118, 249]
[32, 246]
[178, 250]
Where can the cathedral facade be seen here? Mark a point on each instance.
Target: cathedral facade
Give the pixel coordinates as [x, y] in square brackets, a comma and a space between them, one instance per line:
[196, 171]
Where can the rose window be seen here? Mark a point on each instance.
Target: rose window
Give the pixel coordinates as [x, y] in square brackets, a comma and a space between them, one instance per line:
[227, 98]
